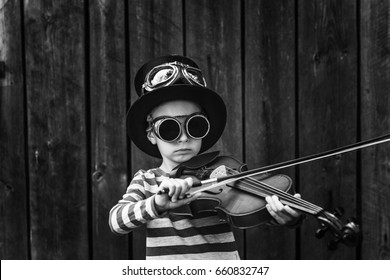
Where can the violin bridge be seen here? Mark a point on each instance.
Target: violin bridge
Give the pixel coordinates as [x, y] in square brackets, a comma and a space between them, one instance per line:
[219, 172]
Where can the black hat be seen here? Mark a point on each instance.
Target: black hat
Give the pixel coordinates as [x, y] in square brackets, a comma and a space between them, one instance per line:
[211, 103]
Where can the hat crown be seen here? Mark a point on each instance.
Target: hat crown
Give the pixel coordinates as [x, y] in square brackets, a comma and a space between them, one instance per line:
[155, 87]
[147, 67]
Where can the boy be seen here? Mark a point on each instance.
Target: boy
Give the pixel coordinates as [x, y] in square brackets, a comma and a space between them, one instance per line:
[175, 118]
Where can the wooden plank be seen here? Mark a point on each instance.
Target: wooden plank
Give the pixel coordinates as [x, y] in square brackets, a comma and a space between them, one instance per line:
[108, 122]
[57, 129]
[155, 29]
[327, 106]
[270, 107]
[213, 40]
[375, 112]
[13, 186]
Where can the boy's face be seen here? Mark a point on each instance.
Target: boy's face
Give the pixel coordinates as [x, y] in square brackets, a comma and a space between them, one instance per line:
[185, 147]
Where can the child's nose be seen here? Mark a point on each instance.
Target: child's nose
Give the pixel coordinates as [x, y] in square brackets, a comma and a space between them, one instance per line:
[184, 136]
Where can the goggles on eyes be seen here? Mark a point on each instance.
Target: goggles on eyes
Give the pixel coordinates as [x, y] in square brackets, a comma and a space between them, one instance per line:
[169, 129]
[166, 74]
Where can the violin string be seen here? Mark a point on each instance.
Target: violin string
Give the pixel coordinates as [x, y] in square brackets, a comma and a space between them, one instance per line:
[256, 187]
[280, 193]
[290, 201]
[287, 198]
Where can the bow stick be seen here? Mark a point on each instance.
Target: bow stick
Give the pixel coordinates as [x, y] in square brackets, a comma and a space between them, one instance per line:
[218, 181]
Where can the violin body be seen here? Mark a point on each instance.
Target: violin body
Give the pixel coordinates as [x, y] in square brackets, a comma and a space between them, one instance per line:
[237, 207]
[232, 204]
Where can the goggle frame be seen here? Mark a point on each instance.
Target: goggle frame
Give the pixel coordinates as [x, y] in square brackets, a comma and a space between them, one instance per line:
[176, 67]
[155, 124]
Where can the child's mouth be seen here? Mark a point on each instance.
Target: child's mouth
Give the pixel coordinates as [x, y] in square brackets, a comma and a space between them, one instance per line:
[183, 150]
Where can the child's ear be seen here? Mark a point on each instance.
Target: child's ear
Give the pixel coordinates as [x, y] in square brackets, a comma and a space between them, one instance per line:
[151, 137]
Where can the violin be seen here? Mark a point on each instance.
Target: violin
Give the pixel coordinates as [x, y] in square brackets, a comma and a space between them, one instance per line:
[241, 202]
[237, 194]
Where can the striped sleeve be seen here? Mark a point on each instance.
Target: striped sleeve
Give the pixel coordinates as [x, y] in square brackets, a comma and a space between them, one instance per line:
[136, 206]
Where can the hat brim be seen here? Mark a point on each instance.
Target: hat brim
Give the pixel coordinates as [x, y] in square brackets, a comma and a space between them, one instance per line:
[212, 105]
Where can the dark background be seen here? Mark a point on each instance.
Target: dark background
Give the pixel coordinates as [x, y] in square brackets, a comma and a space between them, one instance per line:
[299, 77]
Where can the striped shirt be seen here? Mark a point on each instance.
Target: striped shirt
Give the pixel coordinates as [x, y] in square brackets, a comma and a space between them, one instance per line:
[170, 236]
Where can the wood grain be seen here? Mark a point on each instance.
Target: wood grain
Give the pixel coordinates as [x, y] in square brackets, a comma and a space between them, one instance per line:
[327, 112]
[375, 112]
[155, 30]
[215, 44]
[107, 48]
[57, 129]
[298, 77]
[13, 183]
[270, 108]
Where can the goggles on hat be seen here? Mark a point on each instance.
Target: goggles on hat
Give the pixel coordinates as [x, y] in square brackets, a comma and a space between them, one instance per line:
[169, 129]
[168, 73]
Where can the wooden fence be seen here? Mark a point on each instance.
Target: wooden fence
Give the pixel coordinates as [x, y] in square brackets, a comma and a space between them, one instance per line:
[299, 77]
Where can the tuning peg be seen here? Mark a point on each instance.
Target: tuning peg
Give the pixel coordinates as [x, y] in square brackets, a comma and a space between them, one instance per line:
[321, 232]
[351, 233]
[338, 212]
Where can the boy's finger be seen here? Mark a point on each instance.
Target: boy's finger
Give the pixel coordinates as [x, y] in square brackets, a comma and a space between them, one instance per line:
[172, 190]
[279, 206]
[189, 199]
[189, 181]
[165, 187]
[184, 187]
[178, 192]
[274, 203]
[292, 212]
[297, 195]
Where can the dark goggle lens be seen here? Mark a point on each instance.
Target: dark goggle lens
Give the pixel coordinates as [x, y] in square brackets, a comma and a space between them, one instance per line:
[169, 130]
[198, 127]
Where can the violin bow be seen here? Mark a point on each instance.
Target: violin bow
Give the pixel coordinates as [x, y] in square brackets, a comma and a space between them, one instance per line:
[218, 181]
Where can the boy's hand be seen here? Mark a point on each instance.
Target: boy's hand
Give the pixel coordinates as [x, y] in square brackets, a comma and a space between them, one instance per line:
[174, 194]
[283, 214]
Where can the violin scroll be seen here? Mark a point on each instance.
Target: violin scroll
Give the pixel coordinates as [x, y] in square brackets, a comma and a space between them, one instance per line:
[348, 234]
